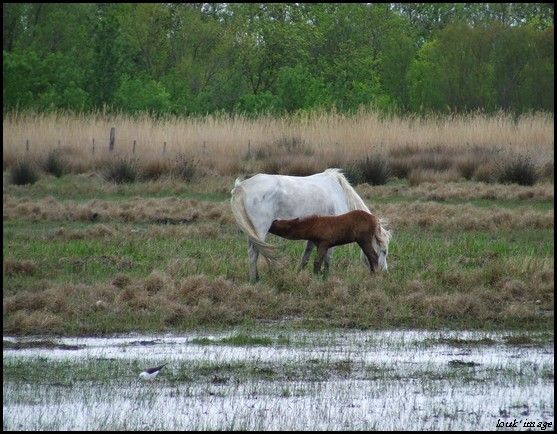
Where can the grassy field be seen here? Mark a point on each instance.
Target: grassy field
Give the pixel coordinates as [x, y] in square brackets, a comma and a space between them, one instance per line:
[84, 256]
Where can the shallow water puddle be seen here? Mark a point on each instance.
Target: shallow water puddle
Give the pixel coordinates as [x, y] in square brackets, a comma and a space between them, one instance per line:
[332, 380]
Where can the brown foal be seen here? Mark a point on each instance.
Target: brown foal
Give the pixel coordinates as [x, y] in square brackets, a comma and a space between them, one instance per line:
[329, 231]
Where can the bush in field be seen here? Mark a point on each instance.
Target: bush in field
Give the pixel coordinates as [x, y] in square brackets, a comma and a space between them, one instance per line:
[519, 170]
[467, 167]
[54, 164]
[154, 169]
[548, 171]
[24, 172]
[121, 171]
[400, 168]
[374, 170]
[185, 168]
[486, 172]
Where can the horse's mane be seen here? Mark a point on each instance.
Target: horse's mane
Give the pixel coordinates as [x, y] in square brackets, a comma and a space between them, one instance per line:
[354, 200]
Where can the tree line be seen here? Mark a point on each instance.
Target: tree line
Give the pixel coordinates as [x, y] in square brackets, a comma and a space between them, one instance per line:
[199, 58]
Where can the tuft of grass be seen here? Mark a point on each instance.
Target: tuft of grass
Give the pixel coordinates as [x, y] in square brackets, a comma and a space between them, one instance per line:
[467, 167]
[486, 172]
[24, 172]
[14, 267]
[519, 170]
[374, 170]
[419, 176]
[54, 164]
[520, 340]
[237, 340]
[154, 169]
[121, 171]
[185, 168]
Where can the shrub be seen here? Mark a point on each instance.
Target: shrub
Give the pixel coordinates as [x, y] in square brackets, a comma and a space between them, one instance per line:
[54, 164]
[400, 168]
[185, 168]
[520, 170]
[548, 171]
[485, 172]
[375, 171]
[154, 169]
[419, 176]
[24, 172]
[467, 167]
[121, 171]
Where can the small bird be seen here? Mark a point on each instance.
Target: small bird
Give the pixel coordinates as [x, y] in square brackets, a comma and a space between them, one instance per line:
[150, 373]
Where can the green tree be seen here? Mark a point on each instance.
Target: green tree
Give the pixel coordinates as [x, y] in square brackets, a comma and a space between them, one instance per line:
[111, 58]
[141, 94]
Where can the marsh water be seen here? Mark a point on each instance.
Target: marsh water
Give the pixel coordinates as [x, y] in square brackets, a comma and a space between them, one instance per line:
[282, 380]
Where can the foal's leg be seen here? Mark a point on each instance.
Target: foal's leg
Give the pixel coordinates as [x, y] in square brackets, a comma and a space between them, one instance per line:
[253, 254]
[321, 252]
[327, 261]
[370, 253]
[365, 260]
[305, 256]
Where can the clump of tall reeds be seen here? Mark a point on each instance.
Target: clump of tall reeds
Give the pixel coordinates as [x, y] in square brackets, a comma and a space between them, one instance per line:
[24, 172]
[120, 171]
[54, 164]
[185, 168]
[154, 169]
[374, 170]
[519, 170]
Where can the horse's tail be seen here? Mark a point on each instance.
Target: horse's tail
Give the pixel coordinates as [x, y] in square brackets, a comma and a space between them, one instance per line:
[353, 199]
[245, 223]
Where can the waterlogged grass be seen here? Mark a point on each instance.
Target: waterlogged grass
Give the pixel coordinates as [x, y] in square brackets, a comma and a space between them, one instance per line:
[242, 340]
[336, 380]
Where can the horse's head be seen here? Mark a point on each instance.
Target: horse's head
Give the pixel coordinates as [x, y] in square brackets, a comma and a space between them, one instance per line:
[380, 244]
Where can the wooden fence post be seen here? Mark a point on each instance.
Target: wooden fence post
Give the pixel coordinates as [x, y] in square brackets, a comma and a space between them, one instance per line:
[111, 143]
[164, 148]
[27, 145]
[133, 149]
[93, 148]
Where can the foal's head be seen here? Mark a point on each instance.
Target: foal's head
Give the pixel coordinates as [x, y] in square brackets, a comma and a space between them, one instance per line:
[380, 243]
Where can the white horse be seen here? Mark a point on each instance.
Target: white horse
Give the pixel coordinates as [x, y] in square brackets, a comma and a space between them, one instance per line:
[259, 200]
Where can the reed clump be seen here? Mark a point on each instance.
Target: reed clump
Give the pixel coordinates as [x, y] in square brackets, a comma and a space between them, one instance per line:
[24, 172]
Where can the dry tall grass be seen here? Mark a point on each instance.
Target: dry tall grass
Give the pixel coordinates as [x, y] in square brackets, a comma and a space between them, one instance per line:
[232, 144]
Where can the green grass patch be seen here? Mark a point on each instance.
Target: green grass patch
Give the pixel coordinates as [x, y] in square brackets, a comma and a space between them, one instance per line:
[243, 340]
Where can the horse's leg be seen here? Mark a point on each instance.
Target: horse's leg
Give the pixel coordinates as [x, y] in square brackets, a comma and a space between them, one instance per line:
[327, 261]
[371, 256]
[305, 256]
[253, 254]
[365, 260]
[321, 252]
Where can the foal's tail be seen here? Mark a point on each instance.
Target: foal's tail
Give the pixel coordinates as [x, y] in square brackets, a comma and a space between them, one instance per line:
[242, 219]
